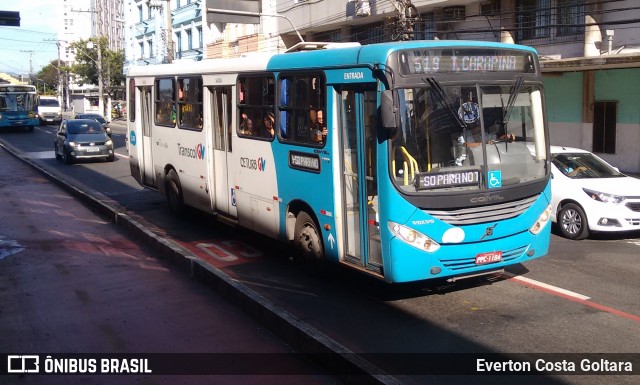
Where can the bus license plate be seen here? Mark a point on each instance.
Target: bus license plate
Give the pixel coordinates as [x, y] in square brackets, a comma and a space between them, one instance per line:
[92, 149]
[492, 257]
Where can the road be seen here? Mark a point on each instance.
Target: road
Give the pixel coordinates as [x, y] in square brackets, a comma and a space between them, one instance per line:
[582, 298]
[72, 282]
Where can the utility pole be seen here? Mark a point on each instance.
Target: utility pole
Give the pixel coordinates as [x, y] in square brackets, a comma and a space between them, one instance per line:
[30, 63]
[407, 15]
[60, 83]
[101, 106]
[169, 33]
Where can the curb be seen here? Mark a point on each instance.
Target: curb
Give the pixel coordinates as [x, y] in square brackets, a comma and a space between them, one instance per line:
[302, 337]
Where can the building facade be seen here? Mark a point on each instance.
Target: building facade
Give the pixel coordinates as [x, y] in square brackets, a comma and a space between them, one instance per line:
[590, 50]
[590, 53]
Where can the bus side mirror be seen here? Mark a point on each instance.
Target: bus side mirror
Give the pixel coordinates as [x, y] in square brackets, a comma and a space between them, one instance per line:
[390, 117]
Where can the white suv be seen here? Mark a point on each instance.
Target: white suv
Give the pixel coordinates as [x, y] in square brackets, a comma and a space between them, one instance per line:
[588, 194]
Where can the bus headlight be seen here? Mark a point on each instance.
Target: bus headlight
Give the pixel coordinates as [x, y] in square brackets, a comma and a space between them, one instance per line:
[542, 221]
[413, 237]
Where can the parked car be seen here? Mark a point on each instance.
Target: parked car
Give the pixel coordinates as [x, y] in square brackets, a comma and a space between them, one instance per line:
[97, 117]
[588, 194]
[82, 139]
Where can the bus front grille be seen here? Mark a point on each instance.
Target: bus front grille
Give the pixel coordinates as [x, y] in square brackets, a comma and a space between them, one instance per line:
[466, 263]
[483, 214]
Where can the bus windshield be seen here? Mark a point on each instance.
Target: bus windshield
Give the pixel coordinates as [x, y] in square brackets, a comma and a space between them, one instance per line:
[452, 136]
[17, 102]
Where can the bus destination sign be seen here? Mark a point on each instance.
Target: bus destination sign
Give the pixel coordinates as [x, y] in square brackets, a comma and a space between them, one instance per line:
[304, 161]
[418, 62]
[447, 179]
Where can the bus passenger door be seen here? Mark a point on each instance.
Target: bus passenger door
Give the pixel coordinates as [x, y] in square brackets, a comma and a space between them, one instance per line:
[148, 173]
[359, 179]
[223, 184]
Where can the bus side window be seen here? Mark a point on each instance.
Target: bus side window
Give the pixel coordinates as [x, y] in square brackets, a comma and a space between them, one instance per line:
[302, 100]
[190, 103]
[255, 105]
[165, 102]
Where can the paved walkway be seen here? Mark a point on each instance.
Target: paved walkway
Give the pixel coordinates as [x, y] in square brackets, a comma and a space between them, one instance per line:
[72, 282]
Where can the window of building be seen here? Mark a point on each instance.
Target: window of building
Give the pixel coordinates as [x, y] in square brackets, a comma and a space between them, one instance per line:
[189, 39]
[165, 102]
[140, 17]
[179, 41]
[151, 51]
[570, 17]
[190, 103]
[533, 19]
[200, 43]
[425, 28]
[369, 34]
[605, 116]
[142, 50]
[302, 109]
[256, 99]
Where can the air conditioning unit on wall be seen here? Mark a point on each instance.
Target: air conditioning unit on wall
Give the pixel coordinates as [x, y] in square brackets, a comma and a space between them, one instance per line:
[363, 8]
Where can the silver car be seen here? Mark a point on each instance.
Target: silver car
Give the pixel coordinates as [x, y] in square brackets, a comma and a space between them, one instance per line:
[82, 139]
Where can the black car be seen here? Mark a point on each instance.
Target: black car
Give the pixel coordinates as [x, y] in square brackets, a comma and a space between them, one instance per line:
[97, 117]
[81, 139]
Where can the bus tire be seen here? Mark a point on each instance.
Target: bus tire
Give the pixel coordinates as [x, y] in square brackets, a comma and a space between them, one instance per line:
[174, 194]
[572, 222]
[308, 243]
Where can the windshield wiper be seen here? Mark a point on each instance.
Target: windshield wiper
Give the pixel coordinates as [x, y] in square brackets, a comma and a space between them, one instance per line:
[513, 95]
[442, 98]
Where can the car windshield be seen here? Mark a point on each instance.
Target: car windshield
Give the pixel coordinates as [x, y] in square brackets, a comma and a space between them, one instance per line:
[49, 103]
[99, 118]
[84, 128]
[452, 136]
[583, 166]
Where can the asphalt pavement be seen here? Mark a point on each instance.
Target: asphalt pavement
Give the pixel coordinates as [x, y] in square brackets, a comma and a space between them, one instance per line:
[72, 282]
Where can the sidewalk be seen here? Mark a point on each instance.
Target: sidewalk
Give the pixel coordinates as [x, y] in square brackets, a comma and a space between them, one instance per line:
[73, 283]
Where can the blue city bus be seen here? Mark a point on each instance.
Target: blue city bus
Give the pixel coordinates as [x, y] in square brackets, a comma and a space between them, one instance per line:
[408, 161]
[18, 104]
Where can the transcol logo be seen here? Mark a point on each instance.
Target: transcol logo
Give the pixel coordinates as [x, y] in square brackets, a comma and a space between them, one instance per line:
[253, 164]
[195, 153]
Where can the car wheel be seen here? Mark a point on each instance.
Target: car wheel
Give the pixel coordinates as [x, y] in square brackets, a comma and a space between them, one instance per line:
[308, 243]
[66, 157]
[174, 194]
[573, 222]
[55, 151]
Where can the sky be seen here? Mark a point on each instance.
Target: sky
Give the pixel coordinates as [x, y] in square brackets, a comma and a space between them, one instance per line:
[37, 25]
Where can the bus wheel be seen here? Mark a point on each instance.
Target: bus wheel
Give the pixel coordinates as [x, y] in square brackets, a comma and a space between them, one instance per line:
[308, 242]
[573, 222]
[174, 194]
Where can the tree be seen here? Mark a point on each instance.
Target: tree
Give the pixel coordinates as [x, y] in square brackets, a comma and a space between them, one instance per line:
[86, 64]
[49, 74]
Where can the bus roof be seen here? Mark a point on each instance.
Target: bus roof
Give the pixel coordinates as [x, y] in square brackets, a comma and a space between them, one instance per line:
[247, 62]
[305, 57]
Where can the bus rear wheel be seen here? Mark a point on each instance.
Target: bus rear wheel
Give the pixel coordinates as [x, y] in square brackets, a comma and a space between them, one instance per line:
[308, 243]
[174, 194]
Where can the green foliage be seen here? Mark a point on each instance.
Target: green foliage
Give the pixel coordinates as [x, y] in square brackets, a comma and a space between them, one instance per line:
[49, 74]
[86, 66]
